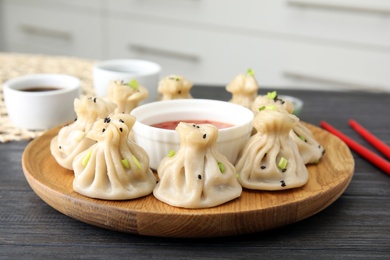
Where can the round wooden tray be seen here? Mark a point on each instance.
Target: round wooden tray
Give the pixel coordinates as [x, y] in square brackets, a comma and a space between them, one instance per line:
[254, 211]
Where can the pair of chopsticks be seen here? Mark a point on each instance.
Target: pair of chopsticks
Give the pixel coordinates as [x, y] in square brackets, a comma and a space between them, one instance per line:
[370, 156]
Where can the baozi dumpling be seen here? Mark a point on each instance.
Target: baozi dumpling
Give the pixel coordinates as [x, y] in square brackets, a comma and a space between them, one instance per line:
[309, 148]
[270, 160]
[174, 87]
[126, 96]
[115, 168]
[197, 175]
[244, 89]
[71, 139]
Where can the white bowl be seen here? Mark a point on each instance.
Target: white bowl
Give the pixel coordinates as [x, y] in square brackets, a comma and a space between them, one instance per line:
[158, 142]
[147, 74]
[44, 109]
[298, 103]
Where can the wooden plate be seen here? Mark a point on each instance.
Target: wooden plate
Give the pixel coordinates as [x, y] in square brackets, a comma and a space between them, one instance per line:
[254, 211]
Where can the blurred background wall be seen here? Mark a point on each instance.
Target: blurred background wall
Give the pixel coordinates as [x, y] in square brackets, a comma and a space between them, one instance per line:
[316, 44]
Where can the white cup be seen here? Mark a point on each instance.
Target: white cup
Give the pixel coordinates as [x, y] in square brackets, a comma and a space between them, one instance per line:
[44, 108]
[147, 74]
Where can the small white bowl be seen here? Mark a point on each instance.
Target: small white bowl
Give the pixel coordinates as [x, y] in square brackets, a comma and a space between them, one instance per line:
[43, 109]
[147, 74]
[158, 142]
[298, 103]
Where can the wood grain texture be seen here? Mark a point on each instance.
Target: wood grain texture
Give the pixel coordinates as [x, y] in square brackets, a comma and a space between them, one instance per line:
[254, 211]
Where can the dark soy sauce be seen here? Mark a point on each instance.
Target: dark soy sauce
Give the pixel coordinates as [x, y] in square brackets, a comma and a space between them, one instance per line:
[40, 89]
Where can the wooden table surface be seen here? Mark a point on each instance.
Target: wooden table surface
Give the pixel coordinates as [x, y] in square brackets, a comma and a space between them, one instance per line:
[357, 225]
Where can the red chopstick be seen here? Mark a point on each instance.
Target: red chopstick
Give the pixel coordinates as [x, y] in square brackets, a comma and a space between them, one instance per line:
[364, 152]
[372, 139]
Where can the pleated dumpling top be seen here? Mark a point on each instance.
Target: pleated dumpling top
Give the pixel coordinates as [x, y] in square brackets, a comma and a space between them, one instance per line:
[197, 175]
[270, 160]
[115, 168]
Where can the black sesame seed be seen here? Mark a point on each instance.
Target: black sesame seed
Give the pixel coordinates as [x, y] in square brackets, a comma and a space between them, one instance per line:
[265, 155]
[59, 147]
[282, 183]
[197, 126]
[107, 120]
[120, 120]
[194, 125]
[284, 170]
[94, 100]
[323, 152]
[103, 130]
[199, 177]
[263, 167]
[204, 136]
[120, 129]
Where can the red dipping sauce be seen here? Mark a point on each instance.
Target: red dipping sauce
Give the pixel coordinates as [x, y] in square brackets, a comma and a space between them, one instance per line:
[171, 125]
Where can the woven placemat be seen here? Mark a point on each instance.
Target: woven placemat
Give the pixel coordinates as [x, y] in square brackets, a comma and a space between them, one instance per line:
[14, 65]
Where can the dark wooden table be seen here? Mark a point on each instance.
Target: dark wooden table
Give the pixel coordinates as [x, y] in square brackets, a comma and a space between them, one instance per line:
[357, 225]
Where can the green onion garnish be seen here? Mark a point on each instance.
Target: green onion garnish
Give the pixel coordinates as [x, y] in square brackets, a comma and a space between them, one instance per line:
[221, 167]
[272, 95]
[250, 72]
[134, 84]
[137, 163]
[302, 138]
[86, 158]
[125, 163]
[176, 78]
[271, 107]
[282, 163]
[171, 153]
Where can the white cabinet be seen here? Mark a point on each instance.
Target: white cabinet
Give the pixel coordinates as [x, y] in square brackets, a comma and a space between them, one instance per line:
[53, 27]
[299, 43]
[333, 44]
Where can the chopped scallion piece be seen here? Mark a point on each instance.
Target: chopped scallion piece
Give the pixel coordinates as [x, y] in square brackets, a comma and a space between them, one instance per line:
[272, 95]
[137, 163]
[250, 72]
[221, 167]
[302, 138]
[171, 153]
[125, 163]
[282, 163]
[86, 158]
[272, 107]
[134, 84]
[176, 78]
